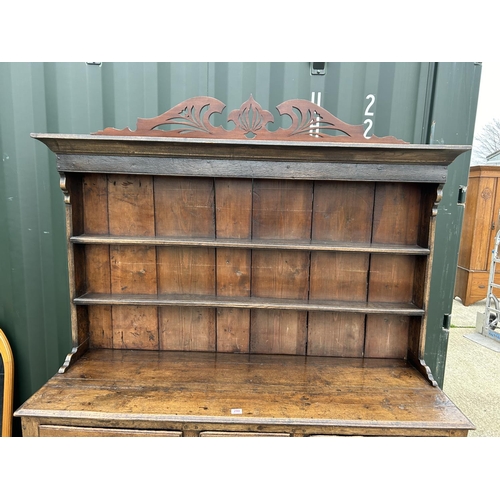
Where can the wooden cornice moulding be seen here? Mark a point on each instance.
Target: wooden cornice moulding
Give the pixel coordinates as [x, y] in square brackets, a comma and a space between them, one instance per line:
[192, 116]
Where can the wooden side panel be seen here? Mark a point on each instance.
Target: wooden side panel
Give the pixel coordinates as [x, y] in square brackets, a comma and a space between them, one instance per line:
[482, 224]
[233, 220]
[342, 212]
[73, 197]
[97, 263]
[494, 224]
[467, 236]
[281, 209]
[185, 207]
[133, 268]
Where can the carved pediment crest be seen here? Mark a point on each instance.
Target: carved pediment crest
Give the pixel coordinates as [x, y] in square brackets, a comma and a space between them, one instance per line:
[191, 118]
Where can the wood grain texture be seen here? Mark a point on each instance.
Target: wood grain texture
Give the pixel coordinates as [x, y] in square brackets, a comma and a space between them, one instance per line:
[396, 218]
[387, 336]
[73, 147]
[190, 160]
[135, 327]
[336, 334]
[100, 327]
[480, 224]
[72, 431]
[341, 212]
[243, 243]
[391, 280]
[233, 220]
[97, 261]
[396, 213]
[133, 269]
[251, 302]
[130, 205]
[281, 209]
[74, 224]
[313, 395]
[186, 207]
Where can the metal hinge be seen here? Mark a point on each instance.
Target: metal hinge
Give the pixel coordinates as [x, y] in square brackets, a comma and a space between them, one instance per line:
[462, 193]
[447, 321]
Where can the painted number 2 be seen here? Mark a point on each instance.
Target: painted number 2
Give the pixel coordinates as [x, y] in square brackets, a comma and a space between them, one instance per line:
[369, 121]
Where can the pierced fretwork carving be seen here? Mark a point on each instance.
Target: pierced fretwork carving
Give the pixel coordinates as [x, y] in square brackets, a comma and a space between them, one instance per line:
[310, 122]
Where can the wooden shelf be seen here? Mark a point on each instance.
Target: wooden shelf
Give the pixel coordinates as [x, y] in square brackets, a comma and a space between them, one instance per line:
[199, 391]
[249, 303]
[333, 246]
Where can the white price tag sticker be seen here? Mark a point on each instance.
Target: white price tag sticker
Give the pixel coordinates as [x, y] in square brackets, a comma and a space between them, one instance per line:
[236, 411]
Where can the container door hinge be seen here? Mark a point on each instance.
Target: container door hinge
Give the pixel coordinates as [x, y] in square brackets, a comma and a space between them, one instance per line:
[447, 321]
[462, 192]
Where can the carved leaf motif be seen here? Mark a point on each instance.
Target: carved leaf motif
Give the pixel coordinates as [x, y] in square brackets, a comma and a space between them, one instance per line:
[250, 118]
[193, 115]
[309, 118]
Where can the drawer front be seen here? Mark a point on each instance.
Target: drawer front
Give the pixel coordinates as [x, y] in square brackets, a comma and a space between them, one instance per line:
[243, 434]
[479, 286]
[67, 431]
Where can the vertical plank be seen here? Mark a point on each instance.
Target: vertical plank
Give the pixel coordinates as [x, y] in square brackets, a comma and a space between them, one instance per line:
[130, 201]
[336, 334]
[386, 336]
[97, 264]
[281, 210]
[396, 213]
[342, 212]
[391, 280]
[233, 201]
[135, 327]
[337, 276]
[185, 207]
[396, 217]
[133, 268]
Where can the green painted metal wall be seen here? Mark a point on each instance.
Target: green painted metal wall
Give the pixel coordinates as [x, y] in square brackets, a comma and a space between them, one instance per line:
[417, 102]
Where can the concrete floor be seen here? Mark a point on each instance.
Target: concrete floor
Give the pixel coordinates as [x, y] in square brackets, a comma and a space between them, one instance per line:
[472, 375]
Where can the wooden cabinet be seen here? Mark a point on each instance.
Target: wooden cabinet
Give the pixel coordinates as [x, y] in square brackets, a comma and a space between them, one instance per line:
[480, 226]
[247, 282]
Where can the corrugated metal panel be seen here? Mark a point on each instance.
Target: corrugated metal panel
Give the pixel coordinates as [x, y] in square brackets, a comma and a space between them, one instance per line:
[81, 98]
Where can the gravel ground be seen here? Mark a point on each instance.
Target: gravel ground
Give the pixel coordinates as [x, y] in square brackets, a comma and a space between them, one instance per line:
[472, 375]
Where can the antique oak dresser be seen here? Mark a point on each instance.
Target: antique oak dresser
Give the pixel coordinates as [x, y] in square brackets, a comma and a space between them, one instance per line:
[242, 281]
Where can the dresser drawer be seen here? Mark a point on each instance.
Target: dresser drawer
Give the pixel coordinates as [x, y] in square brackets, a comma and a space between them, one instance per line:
[243, 434]
[67, 431]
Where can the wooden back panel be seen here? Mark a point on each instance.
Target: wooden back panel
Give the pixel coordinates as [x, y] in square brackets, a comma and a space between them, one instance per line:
[246, 209]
